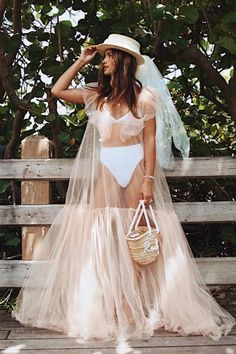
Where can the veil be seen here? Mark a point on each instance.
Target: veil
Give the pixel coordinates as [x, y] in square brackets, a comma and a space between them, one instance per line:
[169, 125]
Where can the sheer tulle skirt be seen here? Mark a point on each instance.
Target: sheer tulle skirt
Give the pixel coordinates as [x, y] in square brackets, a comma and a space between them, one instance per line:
[85, 283]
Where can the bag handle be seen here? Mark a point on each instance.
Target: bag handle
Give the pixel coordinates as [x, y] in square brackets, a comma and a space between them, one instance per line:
[154, 219]
[141, 209]
[146, 216]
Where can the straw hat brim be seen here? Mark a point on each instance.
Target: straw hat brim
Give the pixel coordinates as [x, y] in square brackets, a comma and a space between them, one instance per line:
[101, 48]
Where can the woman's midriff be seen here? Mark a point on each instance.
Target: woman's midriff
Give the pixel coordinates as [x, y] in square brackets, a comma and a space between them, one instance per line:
[115, 139]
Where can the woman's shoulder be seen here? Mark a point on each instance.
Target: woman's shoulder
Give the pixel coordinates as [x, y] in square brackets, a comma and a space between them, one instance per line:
[149, 96]
[90, 89]
[90, 86]
[89, 92]
[148, 92]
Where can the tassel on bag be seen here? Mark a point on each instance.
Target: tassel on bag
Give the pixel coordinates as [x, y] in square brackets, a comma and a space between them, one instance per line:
[143, 241]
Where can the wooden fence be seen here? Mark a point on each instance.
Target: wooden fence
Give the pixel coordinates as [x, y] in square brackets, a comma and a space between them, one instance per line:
[214, 270]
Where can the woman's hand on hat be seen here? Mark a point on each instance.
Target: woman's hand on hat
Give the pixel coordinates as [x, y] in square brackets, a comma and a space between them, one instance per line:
[87, 54]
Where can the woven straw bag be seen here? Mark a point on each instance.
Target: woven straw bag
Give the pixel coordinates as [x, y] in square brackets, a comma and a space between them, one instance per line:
[143, 241]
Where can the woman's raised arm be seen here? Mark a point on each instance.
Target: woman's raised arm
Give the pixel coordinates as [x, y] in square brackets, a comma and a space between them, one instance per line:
[60, 89]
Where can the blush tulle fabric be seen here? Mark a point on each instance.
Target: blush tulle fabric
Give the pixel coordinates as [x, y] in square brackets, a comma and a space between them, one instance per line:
[85, 283]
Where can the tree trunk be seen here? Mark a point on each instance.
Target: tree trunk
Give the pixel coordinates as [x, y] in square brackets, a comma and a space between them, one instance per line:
[15, 138]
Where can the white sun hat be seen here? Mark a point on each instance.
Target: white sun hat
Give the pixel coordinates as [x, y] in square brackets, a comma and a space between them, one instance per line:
[124, 43]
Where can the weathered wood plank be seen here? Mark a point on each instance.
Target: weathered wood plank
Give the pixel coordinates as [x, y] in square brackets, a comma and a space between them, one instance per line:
[23, 332]
[213, 271]
[154, 342]
[5, 316]
[59, 169]
[12, 273]
[31, 169]
[189, 212]
[199, 212]
[28, 214]
[217, 166]
[3, 334]
[218, 270]
[9, 325]
[29, 333]
[222, 349]
[33, 333]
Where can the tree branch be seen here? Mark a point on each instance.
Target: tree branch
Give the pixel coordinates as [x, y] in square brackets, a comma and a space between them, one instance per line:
[55, 124]
[6, 61]
[6, 81]
[15, 138]
[211, 98]
[17, 4]
[11, 146]
[192, 55]
[3, 6]
[59, 39]
[186, 84]
[93, 7]
[17, 28]
[158, 27]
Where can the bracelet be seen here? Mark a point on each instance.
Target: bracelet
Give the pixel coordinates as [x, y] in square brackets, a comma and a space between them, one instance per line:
[147, 176]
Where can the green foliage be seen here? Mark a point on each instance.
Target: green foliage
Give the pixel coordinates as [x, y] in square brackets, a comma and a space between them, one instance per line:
[54, 32]
[10, 240]
[189, 14]
[212, 240]
[4, 186]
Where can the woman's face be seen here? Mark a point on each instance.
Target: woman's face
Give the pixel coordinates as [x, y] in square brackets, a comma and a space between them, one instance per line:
[108, 62]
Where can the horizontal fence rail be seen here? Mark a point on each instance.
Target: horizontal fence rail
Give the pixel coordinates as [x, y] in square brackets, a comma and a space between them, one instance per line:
[189, 212]
[214, 271]
[55, 169]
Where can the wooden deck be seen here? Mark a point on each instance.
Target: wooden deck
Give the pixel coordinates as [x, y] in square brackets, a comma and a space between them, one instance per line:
[14, 338]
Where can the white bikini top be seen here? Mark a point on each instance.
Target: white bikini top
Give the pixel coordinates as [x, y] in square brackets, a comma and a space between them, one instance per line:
[121, 120]
[127, 124]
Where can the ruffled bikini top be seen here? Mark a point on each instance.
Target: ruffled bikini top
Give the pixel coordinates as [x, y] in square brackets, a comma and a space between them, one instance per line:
[128, 125]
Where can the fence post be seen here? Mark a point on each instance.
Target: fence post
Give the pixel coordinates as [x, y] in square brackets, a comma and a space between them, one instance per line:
[34, 192]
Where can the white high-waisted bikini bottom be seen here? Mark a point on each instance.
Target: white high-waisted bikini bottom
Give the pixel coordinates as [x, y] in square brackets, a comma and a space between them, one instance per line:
[121, 161]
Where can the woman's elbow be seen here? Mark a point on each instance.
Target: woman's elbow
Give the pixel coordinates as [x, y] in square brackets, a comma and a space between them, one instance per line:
[55, 92]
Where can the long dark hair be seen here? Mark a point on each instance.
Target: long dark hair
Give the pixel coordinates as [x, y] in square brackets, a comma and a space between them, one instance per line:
[125, 87]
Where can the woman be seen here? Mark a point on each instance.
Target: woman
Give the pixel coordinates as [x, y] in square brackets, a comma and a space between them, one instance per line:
[86, 284]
